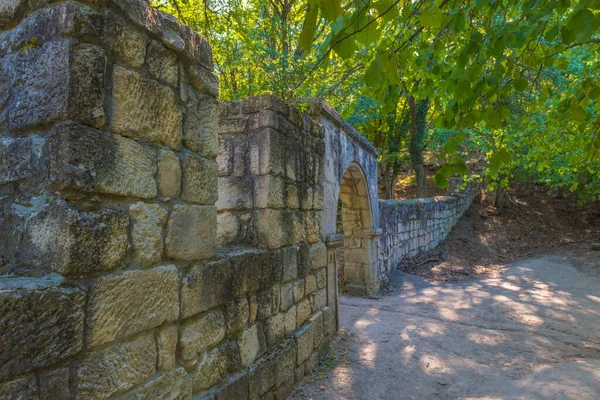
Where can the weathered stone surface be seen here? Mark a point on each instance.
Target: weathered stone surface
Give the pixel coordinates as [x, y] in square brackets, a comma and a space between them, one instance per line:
[267, 152]
[199, 183]
[236, 388]
[310, 284]
[251, 344]
[211, 369]
[57, 81]
[162, 63]
[318, 255]
[235, 193]
[21, 388]
[290, 263]
[289, 320]
[203, 80]
[124, 304]
[200, 126]
[229, 228]
[9, 10]
[319, 300]
[127, 45]
[248, 270]
[275, 329]
[143, 108]
[169, 174]
[110, 370]
[96, 161]
[196, 49]
[41, 323]
[287, 296]
[298, 289]
[141, 13]
[321, 278]
[166, 343]
[206, 286]
[200, 334]
[270, 192]
[303, 311]
[54, 384]
[304, 262]
[192, 232]
[70, 241]
[170, 31]
[236, 315]
[262, 377]
[272, 230]
[146, 234]
[173, 385]
[304, 343]
[15, 159]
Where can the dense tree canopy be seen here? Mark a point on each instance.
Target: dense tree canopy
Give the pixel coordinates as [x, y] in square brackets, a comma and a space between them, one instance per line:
[513, 83]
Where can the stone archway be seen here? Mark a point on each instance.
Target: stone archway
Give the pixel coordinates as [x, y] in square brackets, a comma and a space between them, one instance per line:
[359, 252]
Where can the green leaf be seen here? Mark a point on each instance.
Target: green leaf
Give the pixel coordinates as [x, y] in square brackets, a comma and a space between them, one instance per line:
[440, 180]
[462, 91]
[346, 48]
[520, 84]
[432, 18]
[460, 167]
[580, 24]
[310, 26]
[552, 33]
[373, 75]
[331, 9]
[370, 34]
[578, 113]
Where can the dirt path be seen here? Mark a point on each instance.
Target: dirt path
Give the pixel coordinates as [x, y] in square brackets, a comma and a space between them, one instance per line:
[531, 333]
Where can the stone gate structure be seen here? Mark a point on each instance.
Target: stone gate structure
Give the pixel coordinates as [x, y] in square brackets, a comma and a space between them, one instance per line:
[158, 244]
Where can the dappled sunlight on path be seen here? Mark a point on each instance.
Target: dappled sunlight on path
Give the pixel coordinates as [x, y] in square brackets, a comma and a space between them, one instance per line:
[533, 332]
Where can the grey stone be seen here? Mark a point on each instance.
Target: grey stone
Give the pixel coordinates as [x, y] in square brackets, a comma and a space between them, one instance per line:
[57, 81]
[143, 108]
[41, 322]
[96, 161]
[203, 80]
[123, 304]
[310, 284]
[141, 13]
[200, 126]
[274, 329]
[248, 270]
[251, 344]
[262, 377]
[126, 44]
[206, 286]
[54, 384]
[15, 159]
[201, 334]
[303, 311]
[236, 388]
[304, 260]
[24, 388]
[117, 368]
[304, 343]
[289, 320]
[175, 384]
[9, 9]
[318, 255]
[298, 290]
[199, 182]
[290, 263]
[170, 31]
[287, 296]
[148, 221]
[169, 174]
[166, 343]
[162, 63]
[321, 278]
[236, 315]
[191, 232]
[211, 369]
[69, 241]
[196, 49]
[235, 193]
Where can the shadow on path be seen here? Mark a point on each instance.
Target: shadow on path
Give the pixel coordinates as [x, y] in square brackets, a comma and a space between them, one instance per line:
[532, 333]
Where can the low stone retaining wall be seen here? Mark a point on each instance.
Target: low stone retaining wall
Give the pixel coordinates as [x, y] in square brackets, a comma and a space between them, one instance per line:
[411, 227]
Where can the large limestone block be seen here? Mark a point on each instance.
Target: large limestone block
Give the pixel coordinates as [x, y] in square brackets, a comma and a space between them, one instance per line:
[141, 13]
[267, 152]
[54, 384]
[211, 369]
[200, 125]
[174, 385]
[126, 44]
[201, 334]
[115, 369]
[304, 343]
[166, 343]
[199, 183]
[146, 233]
[41, 321]
[206, 286]
[162, 64]
[59, 80]
[72, 242]
[270, 192]
[303, 311]
[273, 228]
[290, 263]
[192, 232]
[196, 49]
[169, 174]
[124, 304]
[237, 314]
[251, 344]
[235, 193]
[96, 161]
[142, 108]
[254, 270]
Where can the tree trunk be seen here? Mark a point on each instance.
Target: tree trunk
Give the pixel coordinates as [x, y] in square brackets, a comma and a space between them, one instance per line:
[418, 116]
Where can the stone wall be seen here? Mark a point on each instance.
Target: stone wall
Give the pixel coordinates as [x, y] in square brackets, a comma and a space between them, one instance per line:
[414, 226]
[113, 280]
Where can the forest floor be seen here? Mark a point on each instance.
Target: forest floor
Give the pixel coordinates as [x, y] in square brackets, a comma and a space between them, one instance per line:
[508, 307]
